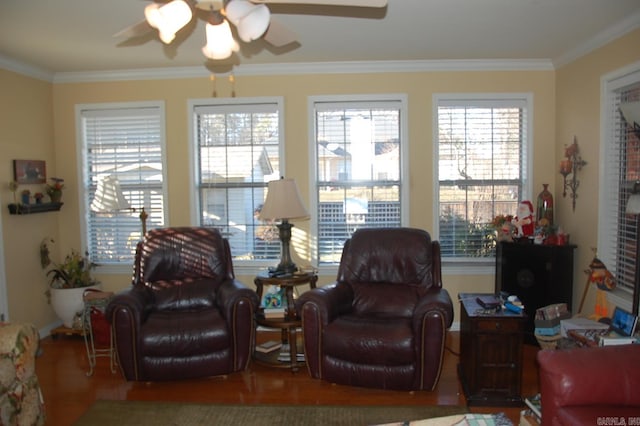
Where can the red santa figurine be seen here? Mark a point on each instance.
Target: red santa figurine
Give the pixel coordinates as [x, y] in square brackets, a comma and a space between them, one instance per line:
[524, 219]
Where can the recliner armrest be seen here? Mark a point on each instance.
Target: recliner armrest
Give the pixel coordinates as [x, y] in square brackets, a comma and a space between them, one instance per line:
[331, 300]
[437, 299]
[231, 292]
[136, 300]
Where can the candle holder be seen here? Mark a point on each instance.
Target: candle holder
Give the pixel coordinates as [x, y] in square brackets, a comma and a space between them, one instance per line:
[569, 167]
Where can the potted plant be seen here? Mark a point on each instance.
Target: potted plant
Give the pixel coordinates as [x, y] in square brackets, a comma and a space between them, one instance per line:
[54, 189]
[68, 281]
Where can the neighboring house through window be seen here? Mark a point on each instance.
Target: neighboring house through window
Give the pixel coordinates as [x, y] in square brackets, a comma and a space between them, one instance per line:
[481, 146]
[121, 143]
[358, 150]
[237, 152]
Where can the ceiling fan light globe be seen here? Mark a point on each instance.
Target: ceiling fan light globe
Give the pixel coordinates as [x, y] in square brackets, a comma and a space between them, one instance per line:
[235, 10]
[152, 15]
[254, 24]
[165, 37]
[220, 42]
[168, 19]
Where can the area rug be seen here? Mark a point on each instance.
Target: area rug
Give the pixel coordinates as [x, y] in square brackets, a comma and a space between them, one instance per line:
[138, 413]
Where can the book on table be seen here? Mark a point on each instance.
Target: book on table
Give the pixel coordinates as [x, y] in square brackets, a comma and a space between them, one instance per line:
[286, 357]
[285, 354]
[535, 405]
[269, 346]
[271, 313]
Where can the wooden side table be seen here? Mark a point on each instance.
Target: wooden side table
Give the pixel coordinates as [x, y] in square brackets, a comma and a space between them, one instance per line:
[289, 323]
[490, 366]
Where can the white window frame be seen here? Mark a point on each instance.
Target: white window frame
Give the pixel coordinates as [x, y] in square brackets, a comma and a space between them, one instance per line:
[243, 267]
[84, 205]
[610, 84]
[484, 266]
[366, 101]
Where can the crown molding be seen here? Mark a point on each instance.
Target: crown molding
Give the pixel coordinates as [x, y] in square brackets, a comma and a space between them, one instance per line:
[27, 70]
[628, 24]
[362, 67]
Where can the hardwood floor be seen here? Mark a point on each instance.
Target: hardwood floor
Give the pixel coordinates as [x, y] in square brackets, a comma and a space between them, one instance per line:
[68, 392]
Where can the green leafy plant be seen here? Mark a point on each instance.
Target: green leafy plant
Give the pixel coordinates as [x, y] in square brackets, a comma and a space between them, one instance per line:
[73, 272]
[54, 189]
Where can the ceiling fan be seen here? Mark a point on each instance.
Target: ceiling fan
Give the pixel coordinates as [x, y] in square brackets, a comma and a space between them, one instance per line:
[252, 19]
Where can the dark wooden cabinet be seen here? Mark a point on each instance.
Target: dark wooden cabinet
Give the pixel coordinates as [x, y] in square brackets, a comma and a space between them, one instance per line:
[538, 274]
[490, 366]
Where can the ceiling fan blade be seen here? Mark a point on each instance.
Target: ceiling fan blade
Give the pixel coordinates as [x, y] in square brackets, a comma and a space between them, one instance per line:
[135, 30]
[279, 35]
[352, 3]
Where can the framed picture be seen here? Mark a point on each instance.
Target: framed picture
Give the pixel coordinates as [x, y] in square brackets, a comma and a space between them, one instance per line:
[29, 171]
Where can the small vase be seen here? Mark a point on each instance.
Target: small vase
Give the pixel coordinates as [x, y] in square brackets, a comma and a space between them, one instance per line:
[25, 198]
[544, 206]
[56, 196]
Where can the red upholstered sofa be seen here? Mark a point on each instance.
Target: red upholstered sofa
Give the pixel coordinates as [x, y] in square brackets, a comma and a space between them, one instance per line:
[590, 386]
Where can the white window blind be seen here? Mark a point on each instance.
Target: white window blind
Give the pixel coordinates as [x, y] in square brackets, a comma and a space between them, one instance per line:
[238, 153]
[621, 170]
[125, 143]
[481, 151]
[358, 164]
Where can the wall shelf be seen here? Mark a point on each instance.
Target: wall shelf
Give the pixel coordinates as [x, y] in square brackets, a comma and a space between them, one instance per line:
[34, 208]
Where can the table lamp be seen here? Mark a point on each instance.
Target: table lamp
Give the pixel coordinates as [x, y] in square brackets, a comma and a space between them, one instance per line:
[109, 198]
[283, 203]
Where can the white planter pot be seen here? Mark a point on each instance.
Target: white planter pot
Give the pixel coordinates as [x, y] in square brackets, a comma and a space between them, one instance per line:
[66, 302]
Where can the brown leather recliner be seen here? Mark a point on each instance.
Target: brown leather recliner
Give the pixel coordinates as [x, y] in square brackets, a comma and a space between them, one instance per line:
[383, 323]
[185, 315]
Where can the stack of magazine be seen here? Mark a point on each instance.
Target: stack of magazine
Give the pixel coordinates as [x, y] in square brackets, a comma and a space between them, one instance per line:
[285, 354]
[535, 407]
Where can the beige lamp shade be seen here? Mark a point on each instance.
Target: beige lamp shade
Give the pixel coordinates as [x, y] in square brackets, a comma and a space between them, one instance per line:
[633, 205]
[631, 112]
[283, 201]
[109, 196]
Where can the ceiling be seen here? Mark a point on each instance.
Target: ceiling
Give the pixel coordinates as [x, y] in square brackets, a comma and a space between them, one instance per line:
[60, 36]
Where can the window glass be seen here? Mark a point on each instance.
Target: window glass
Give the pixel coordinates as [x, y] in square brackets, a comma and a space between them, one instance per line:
[621, 170]
[123, 148]
[481, 151]
[359, 176]
[238, 152]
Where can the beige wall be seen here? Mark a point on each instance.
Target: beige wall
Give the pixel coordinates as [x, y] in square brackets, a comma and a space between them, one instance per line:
[26, 121]
[295, 90]
[55, 107]
[578, 113]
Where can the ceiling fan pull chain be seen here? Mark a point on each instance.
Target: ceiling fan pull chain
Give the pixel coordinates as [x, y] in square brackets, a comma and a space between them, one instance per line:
[212, 77]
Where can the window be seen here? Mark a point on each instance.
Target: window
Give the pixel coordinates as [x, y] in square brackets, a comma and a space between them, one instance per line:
[482, 169]
[123, 142]
[238, 146]
[358, 149]
[620, 170]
